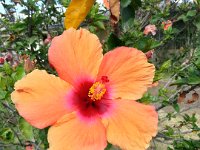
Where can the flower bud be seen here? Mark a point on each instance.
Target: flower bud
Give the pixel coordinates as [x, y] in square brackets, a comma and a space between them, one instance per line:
[8, 56]
[2, 60]
[149, 54]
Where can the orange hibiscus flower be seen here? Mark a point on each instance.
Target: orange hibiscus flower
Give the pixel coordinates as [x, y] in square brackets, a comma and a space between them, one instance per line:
[92, 100]
[150, 29]
[167, 24]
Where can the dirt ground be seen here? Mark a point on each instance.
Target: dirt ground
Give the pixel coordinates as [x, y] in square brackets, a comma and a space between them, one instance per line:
[185, 108]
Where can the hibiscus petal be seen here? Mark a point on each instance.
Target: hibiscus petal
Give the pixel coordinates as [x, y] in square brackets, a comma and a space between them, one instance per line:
[70, 133]
[131, 125]
[75, 54]
[128, 72]
[40, 98]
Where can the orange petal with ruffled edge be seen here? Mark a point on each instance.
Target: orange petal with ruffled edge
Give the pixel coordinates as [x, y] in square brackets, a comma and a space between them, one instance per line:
[75, 54]
[40, 98]
[131, 125]
[128, 72]
[70, 133]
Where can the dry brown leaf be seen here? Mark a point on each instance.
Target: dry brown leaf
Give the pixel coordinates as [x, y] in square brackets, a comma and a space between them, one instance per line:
[28, 65]
[114, 11]
[190, 101]
[12, 37]
[195, 97]
[181, 97]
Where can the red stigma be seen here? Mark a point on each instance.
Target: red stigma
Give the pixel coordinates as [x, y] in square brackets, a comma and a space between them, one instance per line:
[104, 79]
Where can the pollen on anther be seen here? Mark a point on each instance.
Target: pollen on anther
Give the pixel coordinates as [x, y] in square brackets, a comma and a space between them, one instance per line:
[96, 91]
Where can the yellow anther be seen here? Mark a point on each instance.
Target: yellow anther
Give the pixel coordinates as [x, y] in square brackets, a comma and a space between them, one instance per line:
[97, 91]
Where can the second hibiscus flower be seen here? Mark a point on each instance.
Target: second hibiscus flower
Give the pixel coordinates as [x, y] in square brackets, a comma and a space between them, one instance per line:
[92, 100]
[150, 29]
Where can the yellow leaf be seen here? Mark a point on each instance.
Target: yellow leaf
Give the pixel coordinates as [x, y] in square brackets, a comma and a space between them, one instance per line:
[76, 12]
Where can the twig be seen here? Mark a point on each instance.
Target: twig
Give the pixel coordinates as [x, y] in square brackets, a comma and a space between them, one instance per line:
[164, 142]
[7, 106]
[170, 99]
[17, 137]
[145, 19]
[8, 145]
[155, 146]
[170, 80]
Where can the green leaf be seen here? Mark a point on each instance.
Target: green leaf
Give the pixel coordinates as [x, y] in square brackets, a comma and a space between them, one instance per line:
[99, 24]
[163, 71]
[65, 3]
[2, 83]
[155, 44]
[113, 41]
[146, 43]
[176, 107]
[32, 40]
[183, 17]
[196, 22]
[26, 129]
[2, 94]
[6, 134]
[20, 72]
[19, 26]
[136, 4]
[186, 117]
[194, 79]
[19, 44]
[101, 17]
[109, 146]
[191, 80]
[165, 65]
[92, 28]
[158, 76]
[197, 63]
[169, 132]
[180, 82]
[43, 137]
[168, 148]
[148, 99]
[125, 3]
[142, 44]
[127, 13]
[7, 68]
[191, 13]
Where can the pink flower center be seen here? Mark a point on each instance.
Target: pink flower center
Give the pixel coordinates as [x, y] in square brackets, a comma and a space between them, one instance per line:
[90, 99]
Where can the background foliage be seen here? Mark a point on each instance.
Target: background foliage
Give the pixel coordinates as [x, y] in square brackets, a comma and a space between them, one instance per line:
[25, 37]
